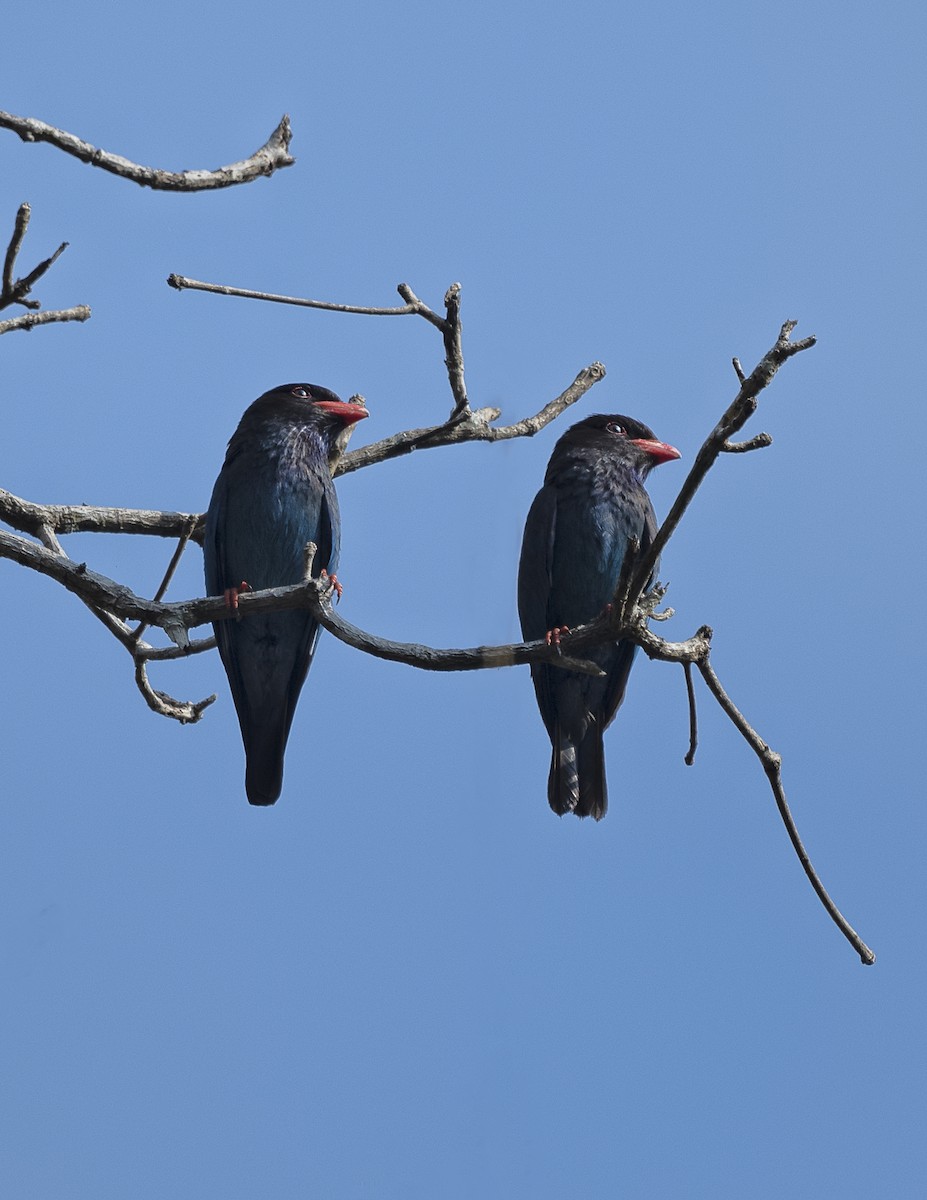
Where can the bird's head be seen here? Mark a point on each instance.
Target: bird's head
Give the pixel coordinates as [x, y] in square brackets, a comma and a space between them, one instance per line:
[611, 433]
[308, 403]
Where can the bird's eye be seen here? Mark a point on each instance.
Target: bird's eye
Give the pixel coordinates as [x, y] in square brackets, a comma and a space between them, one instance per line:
[302, 392]
[614, 427]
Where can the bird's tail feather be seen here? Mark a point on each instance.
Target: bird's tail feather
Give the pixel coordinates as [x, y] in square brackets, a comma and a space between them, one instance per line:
[593, 789]
[264, 767]
[563, 781]
[577, 776]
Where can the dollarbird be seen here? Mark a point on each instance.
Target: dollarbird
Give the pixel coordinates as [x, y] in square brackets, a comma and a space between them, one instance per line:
[274, 494]
[592, 504]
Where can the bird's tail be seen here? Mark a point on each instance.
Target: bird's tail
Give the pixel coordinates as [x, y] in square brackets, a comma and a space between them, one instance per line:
[577, 775]
[264, 766]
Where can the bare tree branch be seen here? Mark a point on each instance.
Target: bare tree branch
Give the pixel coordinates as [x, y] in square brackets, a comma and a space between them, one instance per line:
[182, 282]
[273, 155]
[449, 325]
[185, 711]
[16, 241]
[772, 766]
[15, 291]
[177, 618]
[169, 573]
[693, 716]
[86, 518]
[80, 312]
[627, 617]
[738, 412]
[474, 427]
[760, 442]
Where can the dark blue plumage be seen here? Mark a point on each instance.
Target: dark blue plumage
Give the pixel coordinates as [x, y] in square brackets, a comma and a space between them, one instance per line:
[592, 504]
[273, 495]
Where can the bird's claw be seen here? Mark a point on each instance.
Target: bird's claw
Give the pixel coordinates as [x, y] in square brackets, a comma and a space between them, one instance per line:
[231, 595]
[552, 637]
[333, 584]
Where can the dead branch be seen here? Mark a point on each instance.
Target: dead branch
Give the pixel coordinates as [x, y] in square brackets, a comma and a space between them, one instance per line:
[273, 155]
[693, 716]
[181, 282]
[15, 291]
[464, 424]
[772, 766]
[177, 618]
[80, 312]
[475, 426]
[627, 617]
[28, 517]
[738, 412]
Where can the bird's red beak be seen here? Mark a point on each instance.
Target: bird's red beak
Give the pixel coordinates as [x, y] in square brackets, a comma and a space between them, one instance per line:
[348, 410]
[660, 452]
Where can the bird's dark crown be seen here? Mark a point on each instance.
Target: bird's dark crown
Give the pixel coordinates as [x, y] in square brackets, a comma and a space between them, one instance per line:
[286, 391]
[611, 423]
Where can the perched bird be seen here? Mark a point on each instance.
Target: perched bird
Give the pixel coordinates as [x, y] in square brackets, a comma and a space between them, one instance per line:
[273, 495]
[592, 504]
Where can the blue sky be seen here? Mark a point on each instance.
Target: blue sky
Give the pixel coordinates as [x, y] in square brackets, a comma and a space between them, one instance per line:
[409, 979]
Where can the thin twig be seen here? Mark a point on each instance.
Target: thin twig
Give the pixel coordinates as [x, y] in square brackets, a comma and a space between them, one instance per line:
[20, 226]
[772, 766]
[476, 427]
[187, 712]
[693, 716]
[15, 291]
[737, 414]
[169, 653]
[697, 652]
[169, 573]
[620, 596]
[22, 287]
[760, 442]
[181, 282]
[449, 325]
[273, 155]
[453, 347]
[80, 312]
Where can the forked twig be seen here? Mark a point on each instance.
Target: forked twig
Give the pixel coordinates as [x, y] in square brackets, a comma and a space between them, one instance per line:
[15, 291]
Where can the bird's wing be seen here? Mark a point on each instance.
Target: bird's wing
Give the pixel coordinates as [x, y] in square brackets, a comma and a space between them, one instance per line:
[535, 574]
[221, 574]
[623, 655]
[325, 531]
[536, 563]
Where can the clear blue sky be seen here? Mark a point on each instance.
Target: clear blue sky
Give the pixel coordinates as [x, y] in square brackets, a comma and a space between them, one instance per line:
[409, 979]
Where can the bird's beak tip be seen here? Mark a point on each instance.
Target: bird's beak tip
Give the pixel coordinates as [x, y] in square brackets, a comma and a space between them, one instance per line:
[660, 452]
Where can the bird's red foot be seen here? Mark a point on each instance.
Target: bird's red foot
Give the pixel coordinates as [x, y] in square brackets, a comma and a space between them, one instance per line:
[552, 637]
[333, 584]
[231, 595]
